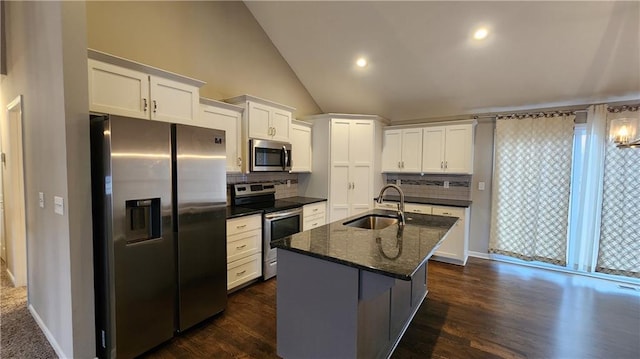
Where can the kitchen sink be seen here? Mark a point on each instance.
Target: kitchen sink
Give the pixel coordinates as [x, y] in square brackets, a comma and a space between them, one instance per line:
[372, 221]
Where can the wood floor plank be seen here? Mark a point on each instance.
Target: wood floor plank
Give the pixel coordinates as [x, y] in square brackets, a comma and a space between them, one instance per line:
[486, 309]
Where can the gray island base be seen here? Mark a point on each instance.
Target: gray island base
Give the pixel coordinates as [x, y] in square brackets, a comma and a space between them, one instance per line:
[346, 292]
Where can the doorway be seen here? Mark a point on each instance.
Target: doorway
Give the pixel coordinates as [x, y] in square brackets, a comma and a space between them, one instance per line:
[13, 199]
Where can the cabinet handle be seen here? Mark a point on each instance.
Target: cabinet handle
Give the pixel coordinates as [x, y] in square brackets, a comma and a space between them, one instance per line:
[446, 164]
[239, 161]
[402, 164]
[315, 224]
[353, 185]
[242, 246]
[315, 210]
[241, 273]
[144, 100]
[275, 130]
[155, 106]
[399, 164]
[242, 226]
[446, 213]
[441, 164]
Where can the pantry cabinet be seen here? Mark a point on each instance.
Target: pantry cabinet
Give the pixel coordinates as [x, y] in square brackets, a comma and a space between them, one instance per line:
[301, 147]
[448, 149]
[350, 174]
[227, 117]
[264, 119]
[402, 150]
[121, 87]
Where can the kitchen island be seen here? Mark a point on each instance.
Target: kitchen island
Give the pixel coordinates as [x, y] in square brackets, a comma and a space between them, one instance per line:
[348, 292]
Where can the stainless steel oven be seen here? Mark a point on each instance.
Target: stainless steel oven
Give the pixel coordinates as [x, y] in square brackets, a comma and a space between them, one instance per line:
[275, 226]
[269, 156]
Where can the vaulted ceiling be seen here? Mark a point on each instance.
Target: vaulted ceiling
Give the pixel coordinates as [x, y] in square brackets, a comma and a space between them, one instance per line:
[424, 63]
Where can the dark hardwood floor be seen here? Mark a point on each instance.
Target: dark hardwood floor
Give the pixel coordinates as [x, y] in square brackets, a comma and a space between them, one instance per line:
[486, 309]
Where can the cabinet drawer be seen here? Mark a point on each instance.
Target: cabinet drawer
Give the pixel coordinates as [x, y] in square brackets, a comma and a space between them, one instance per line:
[448, 211]
[243, 244]
[387, 205]
[243, 270]
[243, 224]
[417, 208]
[314, 221]
[314, 209]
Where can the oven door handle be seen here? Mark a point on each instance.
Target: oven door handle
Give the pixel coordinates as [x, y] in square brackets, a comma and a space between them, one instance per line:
[283, 214]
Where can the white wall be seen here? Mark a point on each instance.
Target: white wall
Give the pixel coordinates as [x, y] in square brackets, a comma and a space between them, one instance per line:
[482, 172]
[46, 62]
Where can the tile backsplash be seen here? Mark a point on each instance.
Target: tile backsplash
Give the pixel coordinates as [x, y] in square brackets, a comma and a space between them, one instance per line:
[432, 185]
[283, 190]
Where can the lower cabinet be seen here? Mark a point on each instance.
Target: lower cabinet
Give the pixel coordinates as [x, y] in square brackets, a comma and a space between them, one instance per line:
[314, 215]
[244, 250]
[454, 248]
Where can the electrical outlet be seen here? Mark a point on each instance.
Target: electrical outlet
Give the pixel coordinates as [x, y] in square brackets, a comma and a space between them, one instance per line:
[41, 199]
[398, 182]
[480, 186]
[58, 205]
[446, 184]
[288, 183]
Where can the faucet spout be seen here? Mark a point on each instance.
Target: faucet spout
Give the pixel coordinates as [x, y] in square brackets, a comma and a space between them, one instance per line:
[400, 205]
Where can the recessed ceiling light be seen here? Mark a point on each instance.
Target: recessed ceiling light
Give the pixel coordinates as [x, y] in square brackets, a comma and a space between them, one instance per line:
[361, 62]
[481, 33]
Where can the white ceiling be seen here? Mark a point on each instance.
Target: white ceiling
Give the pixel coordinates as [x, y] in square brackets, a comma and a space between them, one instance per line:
[424, 64]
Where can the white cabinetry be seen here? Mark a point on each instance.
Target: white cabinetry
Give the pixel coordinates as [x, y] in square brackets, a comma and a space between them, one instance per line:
[402, 150]
[244, 250]
[264, 119]
[448, 149]
[126, 88]
[454, 248]
[227, 117]
[314, 215]
[350, 174]
[300, 146]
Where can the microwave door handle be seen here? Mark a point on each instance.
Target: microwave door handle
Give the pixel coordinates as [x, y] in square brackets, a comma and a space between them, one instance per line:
[286, 157]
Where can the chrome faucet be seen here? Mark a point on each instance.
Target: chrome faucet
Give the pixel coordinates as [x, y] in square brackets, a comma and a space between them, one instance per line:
[400, 205]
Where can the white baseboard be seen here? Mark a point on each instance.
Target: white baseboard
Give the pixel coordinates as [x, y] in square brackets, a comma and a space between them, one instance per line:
[478, 255]
[47, 333]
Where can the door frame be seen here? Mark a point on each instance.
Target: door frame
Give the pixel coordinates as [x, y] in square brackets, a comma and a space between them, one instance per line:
[15, 213]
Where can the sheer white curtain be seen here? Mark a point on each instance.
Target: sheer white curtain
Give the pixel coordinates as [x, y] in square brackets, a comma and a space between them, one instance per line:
[531, 183]
[619, 240]
[589, 199]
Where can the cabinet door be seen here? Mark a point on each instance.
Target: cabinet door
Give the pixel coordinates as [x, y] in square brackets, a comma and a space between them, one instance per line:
[361, 140]
[229, 121]
[281, 125]
[458, 149]
[361, 199]
[259, 121]
[433, 149]
[392, 151]
[340, 186]
[173, 101]
[411, 150]
[453, 246]
[300, 148]
[118, 91]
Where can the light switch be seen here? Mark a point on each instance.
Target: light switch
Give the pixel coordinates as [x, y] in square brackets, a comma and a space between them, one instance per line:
[41, 199]
[398, 182]
[480, 186]
[446, 184]
[58, 205]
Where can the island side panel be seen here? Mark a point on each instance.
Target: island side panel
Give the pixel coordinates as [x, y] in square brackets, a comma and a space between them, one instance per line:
[317, 308]
[373, 314]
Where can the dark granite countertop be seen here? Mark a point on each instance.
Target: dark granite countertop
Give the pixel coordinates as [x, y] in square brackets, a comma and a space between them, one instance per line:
[389, 251]
[434, 201]
[304, 200]
[233, 212]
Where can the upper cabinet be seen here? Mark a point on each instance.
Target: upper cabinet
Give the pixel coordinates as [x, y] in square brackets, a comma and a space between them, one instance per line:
[121, 87]
[264, 119]
[402, 150]
[227, 117]
[300, 146]
[448, 149]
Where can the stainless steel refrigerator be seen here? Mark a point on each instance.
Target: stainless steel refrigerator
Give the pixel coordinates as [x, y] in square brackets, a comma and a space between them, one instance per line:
[159, 198]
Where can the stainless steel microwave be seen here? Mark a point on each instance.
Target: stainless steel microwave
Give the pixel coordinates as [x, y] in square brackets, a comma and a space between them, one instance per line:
[269, 156]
